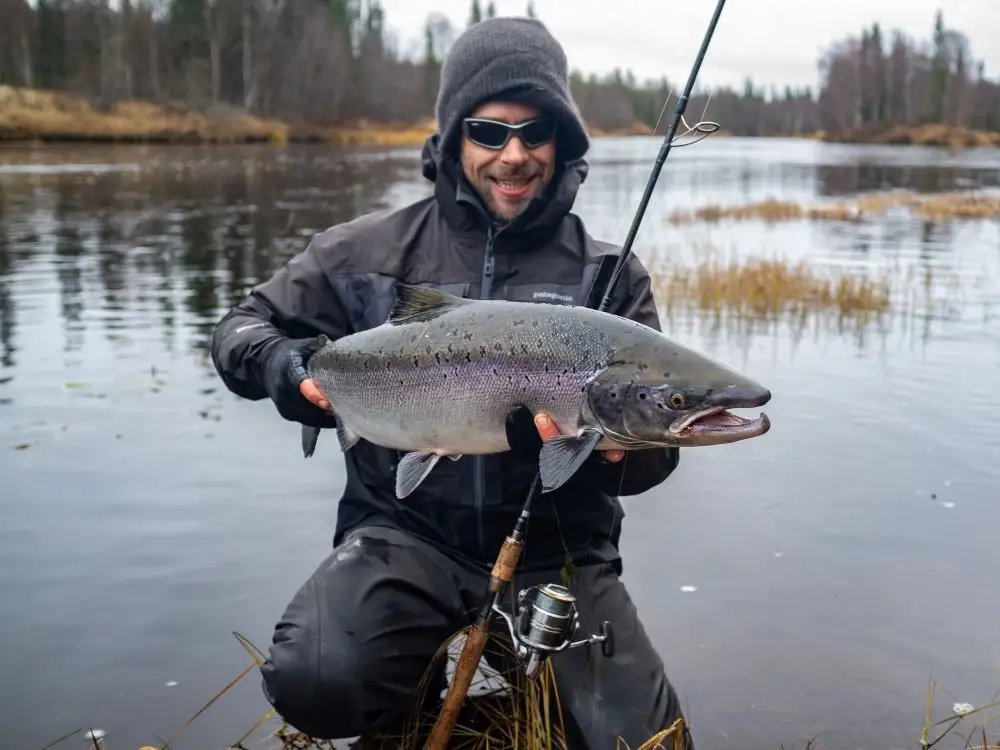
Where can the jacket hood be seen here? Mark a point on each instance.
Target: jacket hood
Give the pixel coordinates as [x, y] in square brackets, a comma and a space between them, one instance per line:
[463, 209]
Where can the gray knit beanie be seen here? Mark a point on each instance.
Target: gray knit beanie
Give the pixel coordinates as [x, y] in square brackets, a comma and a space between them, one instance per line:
[515, 58]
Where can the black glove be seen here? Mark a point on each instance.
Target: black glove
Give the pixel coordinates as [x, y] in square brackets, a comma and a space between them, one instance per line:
[284, 371]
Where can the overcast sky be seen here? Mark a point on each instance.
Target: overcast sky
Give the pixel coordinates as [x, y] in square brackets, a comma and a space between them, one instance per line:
[774, 41]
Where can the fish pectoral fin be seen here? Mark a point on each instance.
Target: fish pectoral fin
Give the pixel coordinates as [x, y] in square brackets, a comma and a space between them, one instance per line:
[561, 456]
[347, 438]
[310, 435]
[412, 470]
[417, 304]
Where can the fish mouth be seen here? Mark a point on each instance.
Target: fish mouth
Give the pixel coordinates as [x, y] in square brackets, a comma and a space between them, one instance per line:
[717, 424]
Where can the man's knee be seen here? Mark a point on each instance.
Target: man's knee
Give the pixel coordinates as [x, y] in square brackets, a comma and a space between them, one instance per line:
[340, 694]
[321, 698]
[358, 636]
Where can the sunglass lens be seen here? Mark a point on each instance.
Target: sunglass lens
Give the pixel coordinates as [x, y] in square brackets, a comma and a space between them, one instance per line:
[488, 134]
[538, 132]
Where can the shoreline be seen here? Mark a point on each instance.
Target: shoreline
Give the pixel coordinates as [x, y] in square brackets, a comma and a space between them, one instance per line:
[38, 116]
[41, 116]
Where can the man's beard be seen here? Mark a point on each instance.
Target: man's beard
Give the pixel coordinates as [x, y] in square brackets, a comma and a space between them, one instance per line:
[501, 173]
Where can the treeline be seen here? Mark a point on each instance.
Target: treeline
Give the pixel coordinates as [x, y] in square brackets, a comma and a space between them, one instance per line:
[327, 62]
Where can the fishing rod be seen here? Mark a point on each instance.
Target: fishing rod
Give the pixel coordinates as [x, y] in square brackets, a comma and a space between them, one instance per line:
[547, 619]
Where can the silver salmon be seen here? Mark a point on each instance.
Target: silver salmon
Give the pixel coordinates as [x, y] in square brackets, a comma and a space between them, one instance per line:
[439, 377]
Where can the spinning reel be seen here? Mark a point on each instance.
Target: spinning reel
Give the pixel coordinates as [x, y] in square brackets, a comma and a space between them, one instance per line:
[546, 621]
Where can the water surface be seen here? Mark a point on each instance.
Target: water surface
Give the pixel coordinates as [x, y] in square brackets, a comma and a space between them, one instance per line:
[839, 563]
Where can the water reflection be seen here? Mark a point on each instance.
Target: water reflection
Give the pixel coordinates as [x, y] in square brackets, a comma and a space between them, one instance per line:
[145, 503]
[847, 180]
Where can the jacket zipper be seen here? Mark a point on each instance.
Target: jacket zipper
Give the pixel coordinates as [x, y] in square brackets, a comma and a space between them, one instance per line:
[479, 466]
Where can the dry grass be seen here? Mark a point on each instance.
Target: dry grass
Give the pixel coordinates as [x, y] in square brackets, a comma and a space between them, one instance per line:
[30, 114]
[950, 136]
[45, 115]
[953, 205]
[383, 135]
[768, 289]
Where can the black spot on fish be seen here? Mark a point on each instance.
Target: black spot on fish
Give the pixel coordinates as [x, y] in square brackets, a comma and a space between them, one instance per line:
[468, 356]
[666, 374]
[534, 324]
[429, 350]
[437, 357]
[467, 336]
[499, 346]
[416, 361]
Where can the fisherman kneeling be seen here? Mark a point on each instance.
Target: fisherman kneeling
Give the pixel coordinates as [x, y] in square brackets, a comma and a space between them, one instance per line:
[405, 575]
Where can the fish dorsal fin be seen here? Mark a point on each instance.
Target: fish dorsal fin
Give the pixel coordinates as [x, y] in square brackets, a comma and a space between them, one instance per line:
[415, 304]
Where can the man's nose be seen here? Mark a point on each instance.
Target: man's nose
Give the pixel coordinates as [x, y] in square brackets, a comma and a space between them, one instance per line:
[514, 152]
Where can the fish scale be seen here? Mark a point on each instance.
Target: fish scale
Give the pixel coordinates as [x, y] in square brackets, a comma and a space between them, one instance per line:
[440, 376]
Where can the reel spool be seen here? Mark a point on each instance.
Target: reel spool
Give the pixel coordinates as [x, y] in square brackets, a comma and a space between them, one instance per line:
[546, 621]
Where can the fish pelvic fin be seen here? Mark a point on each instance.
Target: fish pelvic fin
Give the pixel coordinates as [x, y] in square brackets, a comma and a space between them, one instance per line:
[348, 439]
[563, 455]
[412, 470]
[417, 304]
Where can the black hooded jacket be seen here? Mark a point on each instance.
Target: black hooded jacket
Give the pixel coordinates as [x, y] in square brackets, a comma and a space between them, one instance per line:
[343, 282]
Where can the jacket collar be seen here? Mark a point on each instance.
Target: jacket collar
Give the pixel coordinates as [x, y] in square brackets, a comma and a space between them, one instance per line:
[463, 209]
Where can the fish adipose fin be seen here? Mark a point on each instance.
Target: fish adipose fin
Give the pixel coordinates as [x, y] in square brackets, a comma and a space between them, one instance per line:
[417, 304]
[561, 456]
[412, 470]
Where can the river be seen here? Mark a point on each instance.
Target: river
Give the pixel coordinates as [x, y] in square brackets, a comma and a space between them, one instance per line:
[839, 563]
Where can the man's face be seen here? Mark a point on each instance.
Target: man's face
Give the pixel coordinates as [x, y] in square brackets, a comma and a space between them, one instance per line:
[507, 179]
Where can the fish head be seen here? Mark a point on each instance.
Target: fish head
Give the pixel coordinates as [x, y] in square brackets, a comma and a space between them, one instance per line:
[668, 395]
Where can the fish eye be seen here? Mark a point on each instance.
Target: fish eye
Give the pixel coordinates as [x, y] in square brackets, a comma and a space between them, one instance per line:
[677, 400]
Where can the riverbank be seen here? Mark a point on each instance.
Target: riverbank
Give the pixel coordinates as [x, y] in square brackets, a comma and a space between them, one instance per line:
[28, 115]
[59, 116]
[949, 136]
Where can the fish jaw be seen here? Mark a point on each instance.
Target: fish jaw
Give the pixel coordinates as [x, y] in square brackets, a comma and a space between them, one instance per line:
[717, 425]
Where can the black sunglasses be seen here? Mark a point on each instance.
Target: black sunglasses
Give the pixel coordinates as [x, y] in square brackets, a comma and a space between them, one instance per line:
[494, 135]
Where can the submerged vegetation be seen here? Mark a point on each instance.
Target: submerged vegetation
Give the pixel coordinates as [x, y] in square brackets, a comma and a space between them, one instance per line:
[950, 205]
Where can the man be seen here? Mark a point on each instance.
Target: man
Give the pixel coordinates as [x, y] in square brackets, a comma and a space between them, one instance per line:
[355, 640]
